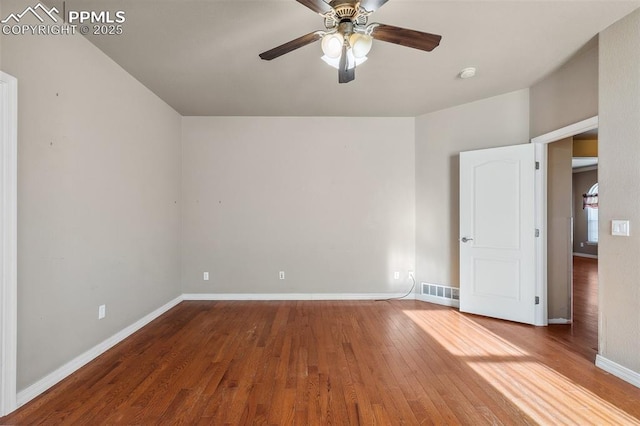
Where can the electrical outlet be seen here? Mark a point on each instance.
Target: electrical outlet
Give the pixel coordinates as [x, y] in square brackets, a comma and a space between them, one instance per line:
[282, 275]
[205, 276]
[102, 311]
[396, 275]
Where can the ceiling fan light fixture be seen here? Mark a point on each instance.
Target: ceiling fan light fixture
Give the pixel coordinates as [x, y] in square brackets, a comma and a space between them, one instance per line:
[352, 61]
[348, 38]
[332, 45]
[360, 44]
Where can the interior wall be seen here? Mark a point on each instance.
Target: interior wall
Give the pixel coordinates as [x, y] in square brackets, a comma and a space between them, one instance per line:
[329, 201]
[619, 197]
[585, 147]
[568, 95]
[559, 228]
[582, 182]
[98, 192]
[440, 137]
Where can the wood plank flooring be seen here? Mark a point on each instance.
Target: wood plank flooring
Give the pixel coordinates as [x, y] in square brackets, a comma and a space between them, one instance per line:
[322, 362]
[582, 335]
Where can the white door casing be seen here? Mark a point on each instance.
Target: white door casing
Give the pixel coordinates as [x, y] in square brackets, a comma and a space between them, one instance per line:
[8, 239]
[497, 233]
[541, 144]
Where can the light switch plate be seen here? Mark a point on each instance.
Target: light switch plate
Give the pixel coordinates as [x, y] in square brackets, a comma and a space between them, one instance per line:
[620, 228]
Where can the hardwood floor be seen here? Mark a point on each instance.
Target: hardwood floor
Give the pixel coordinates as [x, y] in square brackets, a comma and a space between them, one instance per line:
[582, 335]
[308, 363]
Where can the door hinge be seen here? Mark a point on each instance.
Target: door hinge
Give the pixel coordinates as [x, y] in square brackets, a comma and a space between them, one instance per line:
[537, 300]
[537, 233]
[537, 165]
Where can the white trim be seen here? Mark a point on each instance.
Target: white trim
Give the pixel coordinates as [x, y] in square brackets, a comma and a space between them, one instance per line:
[541, 143]
[438, 300]
[590, 256]
[540, 183]
[70, 367]
[9, 241]
[618, 370]
[565, 132]
[584, 169]
[559, 321]
[296, 296]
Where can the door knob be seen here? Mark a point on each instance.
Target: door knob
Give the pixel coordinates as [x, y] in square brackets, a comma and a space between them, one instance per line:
[465, 239]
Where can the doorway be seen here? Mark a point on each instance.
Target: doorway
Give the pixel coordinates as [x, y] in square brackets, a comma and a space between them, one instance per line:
[584, 324]
[568, 249]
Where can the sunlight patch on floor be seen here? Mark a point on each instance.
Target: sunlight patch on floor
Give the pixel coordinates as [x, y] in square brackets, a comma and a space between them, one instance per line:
[542, 393]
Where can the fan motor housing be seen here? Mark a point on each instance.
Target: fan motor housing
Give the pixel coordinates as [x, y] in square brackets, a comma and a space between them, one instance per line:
[345, 10]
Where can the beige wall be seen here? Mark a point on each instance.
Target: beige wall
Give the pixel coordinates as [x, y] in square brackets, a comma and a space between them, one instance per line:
[582, 182]
[98, 193]
[330, 201]
[619, 198]
[559, 210]
[568, 95]
[440, 137]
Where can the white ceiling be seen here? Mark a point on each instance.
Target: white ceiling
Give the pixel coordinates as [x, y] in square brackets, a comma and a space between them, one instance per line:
[201, 57]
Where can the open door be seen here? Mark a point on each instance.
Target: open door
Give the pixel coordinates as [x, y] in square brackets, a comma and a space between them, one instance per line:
[497, 233]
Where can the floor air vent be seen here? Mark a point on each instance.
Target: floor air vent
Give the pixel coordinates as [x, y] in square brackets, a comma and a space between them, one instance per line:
[441, 294]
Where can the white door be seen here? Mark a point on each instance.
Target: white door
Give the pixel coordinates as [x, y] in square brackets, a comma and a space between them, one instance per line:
[497, 233]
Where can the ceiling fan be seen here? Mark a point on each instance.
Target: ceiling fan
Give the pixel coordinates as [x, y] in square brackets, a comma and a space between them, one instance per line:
[348, 37]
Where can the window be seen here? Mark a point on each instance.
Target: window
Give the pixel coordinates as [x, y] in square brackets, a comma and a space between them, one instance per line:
[591, 206]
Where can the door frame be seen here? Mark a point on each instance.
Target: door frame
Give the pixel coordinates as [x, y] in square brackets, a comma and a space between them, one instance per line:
[8, 246]
[541, 147]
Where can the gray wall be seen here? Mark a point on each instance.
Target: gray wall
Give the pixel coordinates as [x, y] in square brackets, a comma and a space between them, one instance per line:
[568, 95]
[98, 192]
[582, 182]
[330, 201]
[440, 137]
[619, 198]
[559, 210]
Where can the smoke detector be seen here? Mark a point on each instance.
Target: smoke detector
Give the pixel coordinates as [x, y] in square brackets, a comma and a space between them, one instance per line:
[467, 72]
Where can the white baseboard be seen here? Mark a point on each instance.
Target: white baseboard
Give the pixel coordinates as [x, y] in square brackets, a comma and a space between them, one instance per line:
[54, 377]
[559, 321]
[295, 296]
[438, 300]
[618, 370]
[590, 256]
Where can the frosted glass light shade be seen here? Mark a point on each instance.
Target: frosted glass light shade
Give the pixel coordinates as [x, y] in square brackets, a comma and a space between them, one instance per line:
[332, 45]
[360, 44]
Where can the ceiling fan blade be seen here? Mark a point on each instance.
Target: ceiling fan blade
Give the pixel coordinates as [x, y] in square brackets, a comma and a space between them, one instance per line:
[371, 5]
[317, 6]
[405, 37]
[345, 74]
[290, 46]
